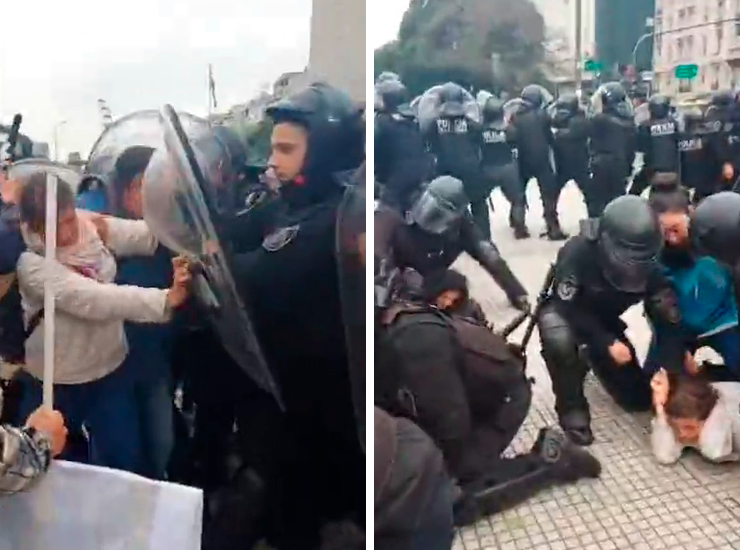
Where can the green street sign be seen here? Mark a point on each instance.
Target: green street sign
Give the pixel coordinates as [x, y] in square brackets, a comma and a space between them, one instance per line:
[686, 72]
[591, 66]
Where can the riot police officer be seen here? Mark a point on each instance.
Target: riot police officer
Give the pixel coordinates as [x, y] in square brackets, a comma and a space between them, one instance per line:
[612, 136]
[570, 129]
[436, 230]
[534, 139]
[401, 161]
[610, 266]
[499, 163]
[658, 140]
[700, 169]
[724, 134]
[297, 427]
[715, 229]
[454, 139]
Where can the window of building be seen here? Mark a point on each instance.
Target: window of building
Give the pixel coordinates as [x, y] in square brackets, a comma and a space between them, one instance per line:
[690, 45]
[684, 85]
[681, 14]
[704, 44]
[737, 24]
[679, 47]
[718, 31]
[690, 11]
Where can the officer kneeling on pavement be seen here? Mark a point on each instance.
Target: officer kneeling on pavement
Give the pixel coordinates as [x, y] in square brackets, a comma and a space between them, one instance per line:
[436, 230]
[466, 387]
[599, 274]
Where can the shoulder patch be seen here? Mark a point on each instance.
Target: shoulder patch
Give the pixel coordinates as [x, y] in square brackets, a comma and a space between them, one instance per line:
[567, 289]
[280, 238]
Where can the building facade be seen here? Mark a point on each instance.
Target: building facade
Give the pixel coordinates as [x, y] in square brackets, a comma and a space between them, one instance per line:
[705, 33]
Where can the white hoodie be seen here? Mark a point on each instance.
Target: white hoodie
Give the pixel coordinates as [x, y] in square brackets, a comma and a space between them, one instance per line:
[719, 440]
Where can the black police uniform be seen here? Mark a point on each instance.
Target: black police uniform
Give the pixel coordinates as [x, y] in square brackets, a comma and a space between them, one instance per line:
[724, 127]
[570, 129]
[455, 142]
[500, 166]
[581, 318]
[402, 163]
[658, 139]
[290, 285]
[473, 425]
[612, 136]
[700, 168]
[715, 230]
[403, 243]
[534, 139]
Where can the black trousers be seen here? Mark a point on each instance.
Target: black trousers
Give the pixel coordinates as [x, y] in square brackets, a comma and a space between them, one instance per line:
[569, 359]
[582, 179]
[609, 182]
[549, 187]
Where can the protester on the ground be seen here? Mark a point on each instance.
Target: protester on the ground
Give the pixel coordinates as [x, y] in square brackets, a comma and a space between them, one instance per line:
[149, 368]
[90, 311]
[26, 453]
[610, 266]
[703, 288]
[690, 412]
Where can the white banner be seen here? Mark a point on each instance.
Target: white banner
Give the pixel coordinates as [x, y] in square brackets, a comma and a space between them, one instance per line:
[80, 507]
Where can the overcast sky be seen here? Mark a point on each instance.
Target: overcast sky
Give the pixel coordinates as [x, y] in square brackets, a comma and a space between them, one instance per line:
[139, 54]
[385, 18]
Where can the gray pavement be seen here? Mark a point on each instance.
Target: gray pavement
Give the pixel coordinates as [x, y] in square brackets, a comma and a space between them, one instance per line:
[637, 504]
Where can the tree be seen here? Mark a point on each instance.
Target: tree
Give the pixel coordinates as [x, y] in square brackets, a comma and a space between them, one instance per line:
[492, 44]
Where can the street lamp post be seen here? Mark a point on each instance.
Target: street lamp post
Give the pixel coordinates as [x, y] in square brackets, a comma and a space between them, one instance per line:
[56, 138]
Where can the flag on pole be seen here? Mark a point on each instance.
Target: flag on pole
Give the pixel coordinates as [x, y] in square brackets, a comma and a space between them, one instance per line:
[212, 86]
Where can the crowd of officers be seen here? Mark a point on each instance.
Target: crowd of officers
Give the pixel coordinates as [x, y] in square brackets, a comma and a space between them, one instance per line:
[450, 391]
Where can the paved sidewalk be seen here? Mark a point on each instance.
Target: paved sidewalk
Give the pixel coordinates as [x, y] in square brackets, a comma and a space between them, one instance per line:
[637, 504]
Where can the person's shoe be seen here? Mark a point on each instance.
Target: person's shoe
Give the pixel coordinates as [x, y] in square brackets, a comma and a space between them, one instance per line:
[554, 232]
[521, 232]
[567, 461]
[577, 426]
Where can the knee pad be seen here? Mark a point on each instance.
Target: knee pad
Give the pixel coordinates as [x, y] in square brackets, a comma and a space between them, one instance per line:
[556, 336]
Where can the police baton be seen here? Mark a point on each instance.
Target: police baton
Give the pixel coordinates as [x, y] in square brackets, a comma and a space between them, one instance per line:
[15, 129]
[535, 313]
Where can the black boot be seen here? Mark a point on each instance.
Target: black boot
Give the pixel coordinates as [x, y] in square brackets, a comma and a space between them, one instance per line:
[518, 221]
[552, 460]
[553, 231]
[577, 426]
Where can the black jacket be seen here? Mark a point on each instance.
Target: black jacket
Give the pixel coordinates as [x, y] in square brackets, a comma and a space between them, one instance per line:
[498, 145]
[592, 306]
[571, 144]
[400, 245]
[534, 138]
[613, 142]
[456, 144]
[658, 140]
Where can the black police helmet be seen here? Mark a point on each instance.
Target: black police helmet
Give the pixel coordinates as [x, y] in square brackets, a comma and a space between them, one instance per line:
[568, 102]
[336, 134]
[612, 93]
[630, 240]
[723, 98]
[441, 206]
[715, 227]
[386, 76]
[493, 109]
[659, 106]
[393, 94]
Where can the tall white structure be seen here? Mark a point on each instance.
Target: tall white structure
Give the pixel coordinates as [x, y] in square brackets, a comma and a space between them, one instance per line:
[337, 53]
[705, 33]
[560, 32]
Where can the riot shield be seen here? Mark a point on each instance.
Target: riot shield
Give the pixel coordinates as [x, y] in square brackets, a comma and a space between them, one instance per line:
[181, 208]
[23, 169]
[351, 230]
[141, 128]
[430, 107]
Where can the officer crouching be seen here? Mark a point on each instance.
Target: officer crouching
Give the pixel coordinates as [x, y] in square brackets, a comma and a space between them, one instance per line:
[599, 274]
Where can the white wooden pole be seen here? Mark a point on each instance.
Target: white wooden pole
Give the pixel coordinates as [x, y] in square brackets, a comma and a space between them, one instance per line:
[50, 253]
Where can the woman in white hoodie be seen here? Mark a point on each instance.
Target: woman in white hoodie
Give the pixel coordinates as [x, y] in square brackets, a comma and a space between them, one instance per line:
[691, 412]
[90, 312]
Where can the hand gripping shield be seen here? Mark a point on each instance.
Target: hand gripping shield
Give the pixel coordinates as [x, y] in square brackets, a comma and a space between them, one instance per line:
[181, 206]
